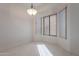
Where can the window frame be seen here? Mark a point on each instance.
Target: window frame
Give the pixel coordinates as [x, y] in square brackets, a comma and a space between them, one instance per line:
[49, 25]
[65, 21]
[56, 25]
[44, 26]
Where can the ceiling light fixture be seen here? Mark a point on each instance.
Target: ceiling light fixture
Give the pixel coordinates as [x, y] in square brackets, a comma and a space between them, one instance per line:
[32, 11]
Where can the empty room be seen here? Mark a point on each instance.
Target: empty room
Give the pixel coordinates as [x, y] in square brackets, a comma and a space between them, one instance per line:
[39, 29]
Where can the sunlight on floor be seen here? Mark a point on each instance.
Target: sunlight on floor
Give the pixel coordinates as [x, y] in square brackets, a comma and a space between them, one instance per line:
[43, 50]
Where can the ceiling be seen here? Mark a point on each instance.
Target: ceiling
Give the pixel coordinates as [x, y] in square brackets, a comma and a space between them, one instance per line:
[40, 6]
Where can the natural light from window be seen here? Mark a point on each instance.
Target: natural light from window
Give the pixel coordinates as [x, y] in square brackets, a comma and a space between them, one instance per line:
[43, 50]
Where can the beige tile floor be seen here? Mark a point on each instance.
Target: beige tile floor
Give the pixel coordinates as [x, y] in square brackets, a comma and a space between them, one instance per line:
[37, 49]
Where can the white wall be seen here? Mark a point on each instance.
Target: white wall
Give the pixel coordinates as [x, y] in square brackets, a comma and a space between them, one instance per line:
[15, 26]
[64, 43]
[74, 28]
[72, 42]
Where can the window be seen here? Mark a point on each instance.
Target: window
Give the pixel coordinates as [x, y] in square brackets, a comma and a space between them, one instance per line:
[46, 25]
[63, 23]
[49, 25]
[53, 25]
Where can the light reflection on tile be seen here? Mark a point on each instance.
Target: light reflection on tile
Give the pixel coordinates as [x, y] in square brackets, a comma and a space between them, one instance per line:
[43, 50]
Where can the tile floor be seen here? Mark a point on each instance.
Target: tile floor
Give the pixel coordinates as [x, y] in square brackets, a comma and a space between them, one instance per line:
[37, 49]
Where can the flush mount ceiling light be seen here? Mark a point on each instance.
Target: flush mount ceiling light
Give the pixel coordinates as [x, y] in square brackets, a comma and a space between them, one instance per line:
[32, 11]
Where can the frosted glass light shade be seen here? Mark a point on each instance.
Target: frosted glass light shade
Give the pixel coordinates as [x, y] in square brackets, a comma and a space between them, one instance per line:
[32, 11]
